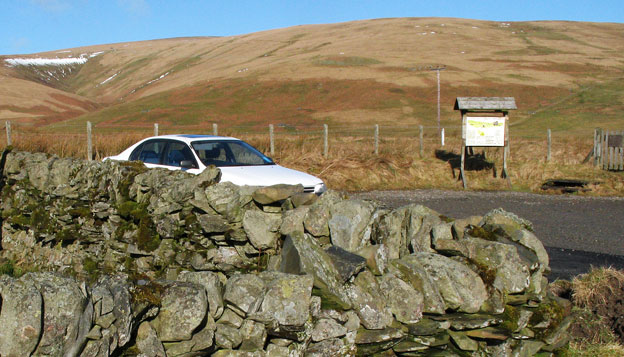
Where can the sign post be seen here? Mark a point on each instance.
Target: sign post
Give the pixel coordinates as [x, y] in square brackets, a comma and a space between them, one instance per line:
[484, 124]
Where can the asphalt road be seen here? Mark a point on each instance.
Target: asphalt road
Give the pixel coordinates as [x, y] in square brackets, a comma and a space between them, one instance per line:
[578, 232]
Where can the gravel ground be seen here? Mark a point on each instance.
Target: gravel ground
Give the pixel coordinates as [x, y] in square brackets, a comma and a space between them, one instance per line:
[578, 232]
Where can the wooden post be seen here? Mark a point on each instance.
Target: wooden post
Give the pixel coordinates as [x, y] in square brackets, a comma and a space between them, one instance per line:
[8, 132]
[504, 173]
[325, 140]
[548, 155]
[420, 127]
[462, 172]
[89, 142]
[215, 130]
[596, 145]
[271, 140]
[376, 139]
[602, 150]
[605, 160]
[155, 129]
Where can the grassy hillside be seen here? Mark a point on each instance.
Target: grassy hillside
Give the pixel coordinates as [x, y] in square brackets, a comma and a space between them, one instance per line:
[565, 75]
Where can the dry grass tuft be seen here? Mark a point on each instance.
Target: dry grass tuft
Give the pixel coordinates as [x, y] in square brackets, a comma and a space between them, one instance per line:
[597, 287]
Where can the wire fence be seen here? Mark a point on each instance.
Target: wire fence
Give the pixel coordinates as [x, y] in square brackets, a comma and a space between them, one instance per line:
[75, 140]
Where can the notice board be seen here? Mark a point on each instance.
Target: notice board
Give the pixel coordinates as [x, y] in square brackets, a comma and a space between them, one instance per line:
[484, 131]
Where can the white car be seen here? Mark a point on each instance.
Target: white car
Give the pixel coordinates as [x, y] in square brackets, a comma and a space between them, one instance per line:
[240, 163]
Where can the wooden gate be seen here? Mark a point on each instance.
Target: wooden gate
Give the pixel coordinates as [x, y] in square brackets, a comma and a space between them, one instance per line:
[609, 149]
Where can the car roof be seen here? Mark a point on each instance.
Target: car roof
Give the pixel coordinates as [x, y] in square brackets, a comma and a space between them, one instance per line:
[189, 138]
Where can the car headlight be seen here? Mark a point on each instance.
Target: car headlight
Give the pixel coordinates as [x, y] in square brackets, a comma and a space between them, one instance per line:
[320, 188]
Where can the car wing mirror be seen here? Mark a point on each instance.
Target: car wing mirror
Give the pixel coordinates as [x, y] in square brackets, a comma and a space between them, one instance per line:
[187, 164]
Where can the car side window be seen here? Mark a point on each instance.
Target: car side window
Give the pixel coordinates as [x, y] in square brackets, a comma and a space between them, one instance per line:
[149, 152]
[178, 152]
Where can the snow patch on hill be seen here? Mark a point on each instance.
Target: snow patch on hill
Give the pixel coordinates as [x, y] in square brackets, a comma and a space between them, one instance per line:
[68, 61]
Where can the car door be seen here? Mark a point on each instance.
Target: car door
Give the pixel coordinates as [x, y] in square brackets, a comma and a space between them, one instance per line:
[178, 156]
[150, 152]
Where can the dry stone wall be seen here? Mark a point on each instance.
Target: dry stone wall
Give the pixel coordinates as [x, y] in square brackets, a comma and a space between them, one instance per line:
[109, 259]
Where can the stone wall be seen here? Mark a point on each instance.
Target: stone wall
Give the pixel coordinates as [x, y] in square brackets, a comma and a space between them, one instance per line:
[111, 258]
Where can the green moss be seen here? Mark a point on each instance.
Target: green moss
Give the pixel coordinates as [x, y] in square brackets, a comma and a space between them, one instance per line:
[7, 268]
[446, 219]
[149, 293]
[510, 319]
[479, 232]
[67, 236]
[329, 301]
[147, 239]
[487, 274]
[83, 212]
[549, 310]
[10, 268]
[40, 221]
[191, 223]
[18, 219]
[133, 211]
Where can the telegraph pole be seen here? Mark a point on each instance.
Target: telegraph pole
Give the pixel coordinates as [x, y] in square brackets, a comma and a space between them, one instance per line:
[438, 69]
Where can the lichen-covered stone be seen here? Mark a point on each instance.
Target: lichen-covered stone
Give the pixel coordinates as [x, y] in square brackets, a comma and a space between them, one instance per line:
[244, 292]
[262, 229]
[350, 224]
[369, 303]
[405, 302]
[413, 273]
[64, 303]
[461, 288]
[21, 316]
[275, 193]
[213, 283]
[148, 342]
[326, 329]
[287, 299]
[301, 253]
[183, 308]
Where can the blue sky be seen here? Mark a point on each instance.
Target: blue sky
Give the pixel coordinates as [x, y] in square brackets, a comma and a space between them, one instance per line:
[31, 26]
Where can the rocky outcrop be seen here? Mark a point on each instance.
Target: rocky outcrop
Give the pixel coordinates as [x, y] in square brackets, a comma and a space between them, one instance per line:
[109, 258]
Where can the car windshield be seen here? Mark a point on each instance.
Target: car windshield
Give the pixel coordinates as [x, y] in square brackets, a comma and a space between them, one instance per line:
[229, 153]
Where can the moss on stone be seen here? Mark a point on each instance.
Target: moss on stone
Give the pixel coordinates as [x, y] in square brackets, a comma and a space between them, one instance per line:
[446, 219]
[548, 311]
[146, 238]
[480, 232]
[18, 219]
[83, 212]
[329, 301]
[149, 293]
[511, 316]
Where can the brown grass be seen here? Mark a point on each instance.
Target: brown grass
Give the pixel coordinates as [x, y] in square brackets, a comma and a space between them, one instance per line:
[597, 287]
[353, 166]
[597, 300]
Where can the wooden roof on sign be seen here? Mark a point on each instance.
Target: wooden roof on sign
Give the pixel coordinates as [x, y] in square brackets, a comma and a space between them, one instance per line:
[485, 103]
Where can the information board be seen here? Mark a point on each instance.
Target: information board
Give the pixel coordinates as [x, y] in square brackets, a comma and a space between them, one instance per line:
[485, 131]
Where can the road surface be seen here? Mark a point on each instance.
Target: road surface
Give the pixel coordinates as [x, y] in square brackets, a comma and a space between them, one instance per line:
[577, 231]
